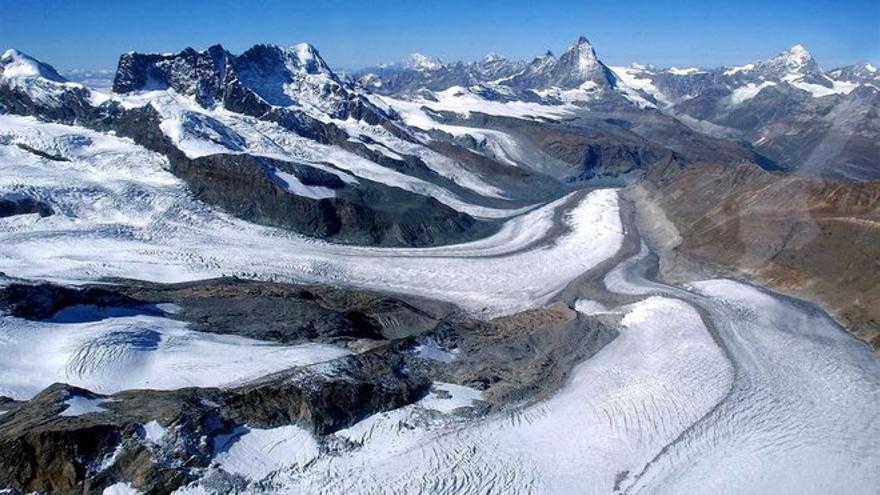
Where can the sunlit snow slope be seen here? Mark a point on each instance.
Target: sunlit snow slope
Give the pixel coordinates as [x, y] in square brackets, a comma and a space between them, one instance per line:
[121, 214]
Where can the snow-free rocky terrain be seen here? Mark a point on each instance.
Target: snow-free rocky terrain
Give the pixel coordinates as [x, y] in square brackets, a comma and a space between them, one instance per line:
[247, 273]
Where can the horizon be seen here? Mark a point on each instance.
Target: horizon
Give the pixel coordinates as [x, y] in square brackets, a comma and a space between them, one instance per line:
[350, 37]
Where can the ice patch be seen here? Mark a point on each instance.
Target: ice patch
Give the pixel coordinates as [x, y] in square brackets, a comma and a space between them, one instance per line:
[256, 453]
[818, 91]
[121, 488]
[154, 432]
[78, 405]
[169, 308]
[296, 186]
[431, 350]
[747, 92]
[590, 307]
[448, 397]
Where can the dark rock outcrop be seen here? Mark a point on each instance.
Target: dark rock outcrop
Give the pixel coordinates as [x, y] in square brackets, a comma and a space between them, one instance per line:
[23, 205]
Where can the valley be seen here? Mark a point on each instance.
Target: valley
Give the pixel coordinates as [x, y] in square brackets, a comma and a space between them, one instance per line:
[248, 273]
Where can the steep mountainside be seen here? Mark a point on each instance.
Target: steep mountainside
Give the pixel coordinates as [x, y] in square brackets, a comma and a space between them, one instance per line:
[275, 136]
[786, 108]
[790, 113]
[812, 238]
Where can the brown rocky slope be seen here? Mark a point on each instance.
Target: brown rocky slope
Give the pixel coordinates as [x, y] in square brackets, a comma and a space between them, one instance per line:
[812, 238]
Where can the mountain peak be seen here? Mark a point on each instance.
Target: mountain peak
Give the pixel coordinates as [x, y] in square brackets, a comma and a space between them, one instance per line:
[578, 65]
[587, 61]
[18, 65]
[797, 54]
[492, 57]
[420, 61]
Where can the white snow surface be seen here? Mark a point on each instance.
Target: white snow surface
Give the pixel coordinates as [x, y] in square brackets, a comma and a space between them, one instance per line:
[120, 488]
[685, 71]
[121, 214]
[639, 78]
[256, 453]
[818, 91]
[736, 70]
[200, 132]
[296, 186]
[618, 410]
[747, 92]
[463, 101]
[135, 352]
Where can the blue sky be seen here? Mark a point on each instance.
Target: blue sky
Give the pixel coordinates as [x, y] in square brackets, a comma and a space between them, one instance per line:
[352, 34]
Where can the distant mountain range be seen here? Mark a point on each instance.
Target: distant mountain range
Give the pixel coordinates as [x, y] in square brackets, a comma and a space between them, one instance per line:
[452, 146]
[759, 103]
[557, 204]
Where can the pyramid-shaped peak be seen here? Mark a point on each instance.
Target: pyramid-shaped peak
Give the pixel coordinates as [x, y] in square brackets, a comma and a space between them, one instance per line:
[796, 56]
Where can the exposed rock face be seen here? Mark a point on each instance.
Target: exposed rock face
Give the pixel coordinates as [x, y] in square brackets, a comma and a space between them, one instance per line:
[863, 73]
[263, 77]
[23, 205]
[41, 301]
[789, 110]
[513, 359]
[436, 76]
[202, 75]
[247, 186]
[292, 314]
[373, 213]
[579, 65]
[813, 238]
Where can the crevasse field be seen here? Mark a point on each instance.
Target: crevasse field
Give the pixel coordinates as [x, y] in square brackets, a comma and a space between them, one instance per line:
[718, 387]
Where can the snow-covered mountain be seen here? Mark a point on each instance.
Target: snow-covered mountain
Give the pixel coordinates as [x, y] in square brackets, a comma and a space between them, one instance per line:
[275, 136]
[576, 68]
[786, 107]
[423, 72]
[256, 213]
[576, 76]
[862, 73]
[261, 78]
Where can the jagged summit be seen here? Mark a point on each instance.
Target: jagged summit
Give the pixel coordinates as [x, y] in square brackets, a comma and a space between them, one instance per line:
[862, 73]
[795, 60]
[580, 64]
[264, 76]
[576, 67]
